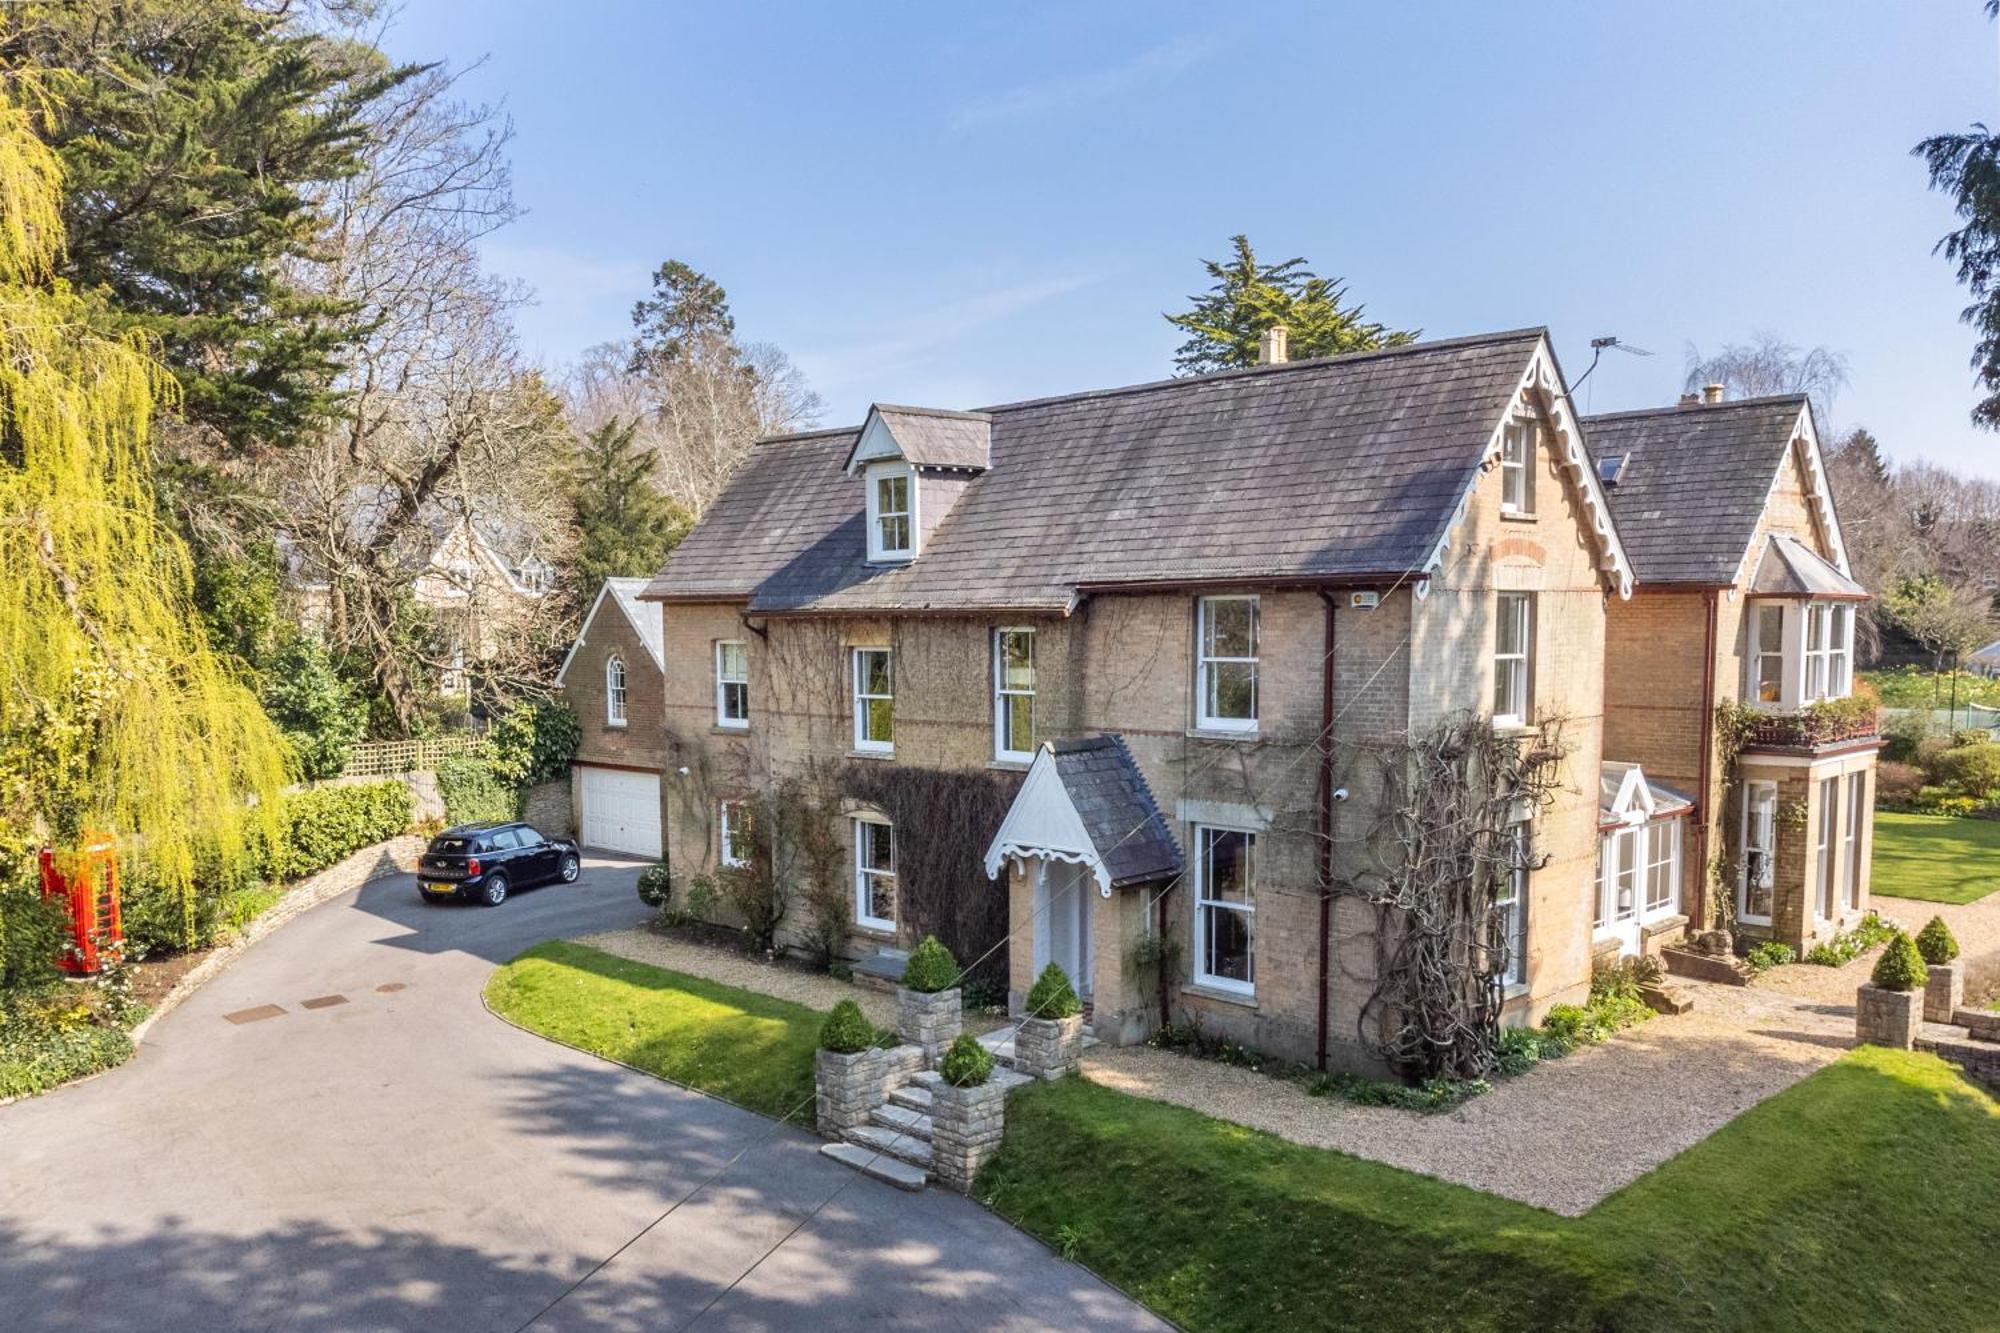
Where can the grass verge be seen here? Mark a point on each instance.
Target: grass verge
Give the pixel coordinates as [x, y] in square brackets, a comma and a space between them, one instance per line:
[1857, 1199]
[744, 1047]
[1935, 858]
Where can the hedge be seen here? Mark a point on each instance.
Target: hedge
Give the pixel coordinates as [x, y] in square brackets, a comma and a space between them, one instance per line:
[324, 824]
[473, 791]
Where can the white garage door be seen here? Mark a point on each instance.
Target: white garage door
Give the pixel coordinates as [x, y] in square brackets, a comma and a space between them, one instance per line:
[621, 811]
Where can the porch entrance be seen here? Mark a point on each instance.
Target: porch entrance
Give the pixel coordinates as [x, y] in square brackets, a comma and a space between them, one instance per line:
[1063, 894]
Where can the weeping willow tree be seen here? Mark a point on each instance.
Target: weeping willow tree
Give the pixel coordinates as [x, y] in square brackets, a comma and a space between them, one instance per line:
[115, 713]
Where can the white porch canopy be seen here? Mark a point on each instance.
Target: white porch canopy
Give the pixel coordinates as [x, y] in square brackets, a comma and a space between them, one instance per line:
[1085, 802]
[1043, 823]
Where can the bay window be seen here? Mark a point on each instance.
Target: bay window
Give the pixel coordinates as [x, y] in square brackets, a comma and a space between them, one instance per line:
[1638, 874]
[1767, 652]
[1225, 912]
[1758, 839]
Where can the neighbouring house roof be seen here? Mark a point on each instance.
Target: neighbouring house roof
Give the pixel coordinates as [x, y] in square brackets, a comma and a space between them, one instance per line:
[1353, 467]
[1987, 655]
[509, 543]
[1790, 568]
[1084, 801]
[929, 437]
[1627, 796]
[623, 594]
[1692, 482]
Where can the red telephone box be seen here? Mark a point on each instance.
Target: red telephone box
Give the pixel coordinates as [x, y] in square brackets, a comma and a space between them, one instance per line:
[88, 880]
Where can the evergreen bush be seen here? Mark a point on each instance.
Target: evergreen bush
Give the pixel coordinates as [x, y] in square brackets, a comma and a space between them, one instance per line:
[1052, 995]
[1900, 967]
[846, 1030]
[323, 824]
[655, 884]
[473, 791]
[967, 1064]
[931, 968]
[1936, 943]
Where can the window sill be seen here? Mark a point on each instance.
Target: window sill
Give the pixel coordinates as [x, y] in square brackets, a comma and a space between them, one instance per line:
[871, 754]
[733, 726]
[616, 726]
[1509, 994]
[729, 731]
[1246, 999]
[1660, 925]
[1518, 516]
[1011, 765]
[1246, 735]
[876, 930]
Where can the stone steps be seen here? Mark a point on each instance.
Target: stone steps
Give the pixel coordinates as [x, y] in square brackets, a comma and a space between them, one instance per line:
[911, 1149]
[916, 1096]
[902, 1120]
[888, 1170]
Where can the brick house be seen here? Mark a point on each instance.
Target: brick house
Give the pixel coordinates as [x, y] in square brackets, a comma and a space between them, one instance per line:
[614, 678]
[1158, 641]
[1744, 600]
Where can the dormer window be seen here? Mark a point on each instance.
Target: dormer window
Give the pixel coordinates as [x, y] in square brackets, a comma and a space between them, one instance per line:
[892, 512]
[1517, 467]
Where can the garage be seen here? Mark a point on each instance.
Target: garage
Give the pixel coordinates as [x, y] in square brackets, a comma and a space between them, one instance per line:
[621, 810]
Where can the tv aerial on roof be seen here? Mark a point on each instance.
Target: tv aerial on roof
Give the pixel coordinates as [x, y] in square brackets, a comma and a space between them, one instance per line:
[1598, 346]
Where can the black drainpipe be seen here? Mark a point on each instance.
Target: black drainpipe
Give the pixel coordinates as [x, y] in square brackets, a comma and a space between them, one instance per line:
[1325, 825]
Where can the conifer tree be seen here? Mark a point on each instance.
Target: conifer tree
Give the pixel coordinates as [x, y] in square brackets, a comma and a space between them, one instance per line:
[625, 526]
[1248, 298]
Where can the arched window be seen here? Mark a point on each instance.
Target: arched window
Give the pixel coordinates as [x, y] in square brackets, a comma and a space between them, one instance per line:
[614, 691]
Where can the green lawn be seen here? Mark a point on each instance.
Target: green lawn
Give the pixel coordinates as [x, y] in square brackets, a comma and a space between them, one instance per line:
[741, 1046]
[1860, 1199]
[1935, 858]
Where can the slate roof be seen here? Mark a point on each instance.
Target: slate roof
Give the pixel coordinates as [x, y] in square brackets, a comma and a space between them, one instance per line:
[929, 437]
[1117, 808]
[646, 620]
[1694, 482]
[1341, 467]
[1790, 568]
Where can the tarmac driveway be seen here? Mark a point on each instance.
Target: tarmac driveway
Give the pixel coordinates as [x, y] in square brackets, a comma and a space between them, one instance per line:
[397, 1158]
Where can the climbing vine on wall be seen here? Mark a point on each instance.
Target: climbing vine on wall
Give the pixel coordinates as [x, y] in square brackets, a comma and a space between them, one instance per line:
[1450, 798]
[944, 822]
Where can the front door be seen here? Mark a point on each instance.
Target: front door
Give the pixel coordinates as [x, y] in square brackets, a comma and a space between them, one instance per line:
[1620, 870]
[1063, 894]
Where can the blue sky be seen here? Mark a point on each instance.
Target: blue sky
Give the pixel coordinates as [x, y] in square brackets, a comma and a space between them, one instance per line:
[956, 205]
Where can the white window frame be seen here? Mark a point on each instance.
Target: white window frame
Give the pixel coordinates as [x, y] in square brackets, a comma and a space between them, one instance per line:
[727, 816]
[1826, 848]
[1007, 698]
[1517, 466]
[1203, 905]
[1613, 865]
[1206, 662]
[864, 743]
[1814, 660]
[1840, 651]
[616, 702]
[1850, 842]
[879, 550]
[723, 716]
[1759, 817]
[1513, 673]
[1760, 651]
[1512, 904]
[865, 875]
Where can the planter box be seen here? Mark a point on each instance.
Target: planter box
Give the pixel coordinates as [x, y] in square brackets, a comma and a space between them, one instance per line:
[1888, 1017]
[1048, 1047]
[846, 1089]
[928, 1019]
[967, 1125]
[1944, 991]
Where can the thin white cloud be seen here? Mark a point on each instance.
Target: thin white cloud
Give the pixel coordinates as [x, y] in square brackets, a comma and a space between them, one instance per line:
[1032, 100]
[921, 334]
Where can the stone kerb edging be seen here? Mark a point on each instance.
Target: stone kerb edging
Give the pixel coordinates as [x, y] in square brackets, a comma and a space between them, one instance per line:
[397, 856]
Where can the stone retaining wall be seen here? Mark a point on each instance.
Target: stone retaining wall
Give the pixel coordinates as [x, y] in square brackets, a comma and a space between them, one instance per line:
[966, 1127]
[929, 1019]
[547, 806]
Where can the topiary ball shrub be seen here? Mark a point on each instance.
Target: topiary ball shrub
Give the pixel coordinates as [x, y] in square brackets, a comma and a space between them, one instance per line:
[1900, 967]
[1052, 995]
[1936, 943]
[931, 968]
[655, 884]
[846, 1030]
[967, 1064]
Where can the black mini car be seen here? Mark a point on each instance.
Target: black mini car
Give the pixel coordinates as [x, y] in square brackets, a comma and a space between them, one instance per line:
[484, 861]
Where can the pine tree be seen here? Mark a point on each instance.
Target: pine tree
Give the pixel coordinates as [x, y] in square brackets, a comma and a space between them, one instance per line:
[1967, 167]
[625, 526]
[194, 135]
[118, 715]
[1248, 298]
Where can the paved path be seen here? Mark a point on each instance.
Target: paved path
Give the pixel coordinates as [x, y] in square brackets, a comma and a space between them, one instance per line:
[403, 1160]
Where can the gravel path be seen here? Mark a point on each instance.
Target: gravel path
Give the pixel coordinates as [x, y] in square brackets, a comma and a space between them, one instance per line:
[1571, 1131]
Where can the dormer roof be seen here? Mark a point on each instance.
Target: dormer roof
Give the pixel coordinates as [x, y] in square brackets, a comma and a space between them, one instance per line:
[926, 437]
[1627, 796]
